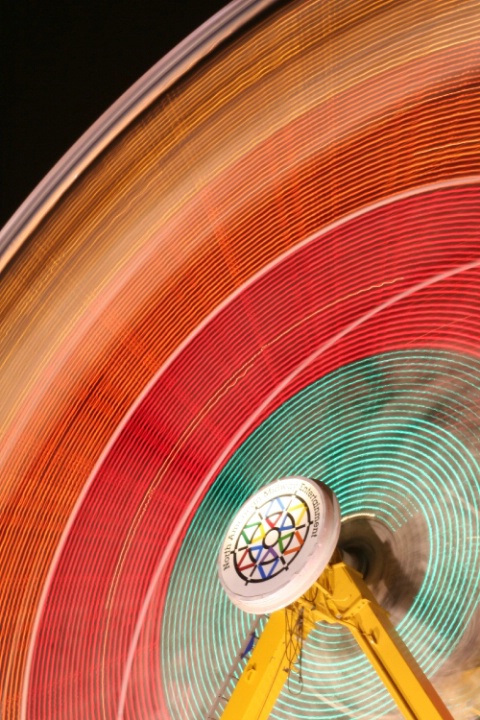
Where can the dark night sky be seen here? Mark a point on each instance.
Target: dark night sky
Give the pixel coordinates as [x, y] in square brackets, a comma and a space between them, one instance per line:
[63, 63]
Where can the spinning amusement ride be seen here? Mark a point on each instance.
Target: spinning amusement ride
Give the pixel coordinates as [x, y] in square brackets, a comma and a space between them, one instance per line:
[240, 381]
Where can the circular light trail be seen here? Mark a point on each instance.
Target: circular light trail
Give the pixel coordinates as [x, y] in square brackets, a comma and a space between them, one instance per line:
[392, 436]
[293, 192]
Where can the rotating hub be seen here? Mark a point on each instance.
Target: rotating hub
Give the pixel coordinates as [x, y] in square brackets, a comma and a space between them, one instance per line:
[279, 543]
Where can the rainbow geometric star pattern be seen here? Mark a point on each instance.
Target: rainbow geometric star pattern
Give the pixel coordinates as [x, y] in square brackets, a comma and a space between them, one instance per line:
[271, 538]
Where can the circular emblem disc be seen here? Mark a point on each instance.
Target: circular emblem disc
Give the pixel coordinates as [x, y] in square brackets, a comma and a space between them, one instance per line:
[279, 543]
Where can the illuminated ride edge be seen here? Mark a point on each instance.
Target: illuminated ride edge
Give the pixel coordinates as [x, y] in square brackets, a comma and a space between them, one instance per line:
[175, 241]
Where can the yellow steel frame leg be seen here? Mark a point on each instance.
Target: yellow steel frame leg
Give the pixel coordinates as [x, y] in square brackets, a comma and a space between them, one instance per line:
[339, 596]
[262, 680]
[343, 597]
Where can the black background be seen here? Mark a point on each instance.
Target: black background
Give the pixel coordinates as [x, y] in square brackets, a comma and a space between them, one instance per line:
[64, 63]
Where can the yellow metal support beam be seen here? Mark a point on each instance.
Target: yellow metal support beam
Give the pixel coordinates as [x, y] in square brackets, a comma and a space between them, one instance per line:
[339, 596]
[267, 670]
[343, 597]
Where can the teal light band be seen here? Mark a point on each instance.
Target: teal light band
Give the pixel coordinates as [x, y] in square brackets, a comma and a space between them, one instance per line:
[395, 436]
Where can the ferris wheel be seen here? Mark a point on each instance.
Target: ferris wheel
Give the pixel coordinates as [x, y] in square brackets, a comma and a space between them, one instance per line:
[262, 265]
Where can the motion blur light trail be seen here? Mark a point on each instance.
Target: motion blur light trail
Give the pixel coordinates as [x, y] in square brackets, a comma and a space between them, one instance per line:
[394, 440]
[193, 418]
[265, 260]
